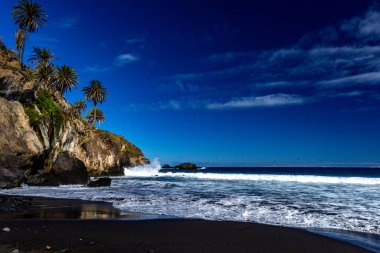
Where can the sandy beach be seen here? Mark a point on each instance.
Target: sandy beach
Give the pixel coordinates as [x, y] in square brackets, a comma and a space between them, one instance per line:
[57, 225]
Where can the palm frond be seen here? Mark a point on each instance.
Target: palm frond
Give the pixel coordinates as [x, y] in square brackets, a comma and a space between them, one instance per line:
[95, 92]
[46, 73]
[95, 116]
[29, 15]
[42, 56]
[65, 78]
[80, 106]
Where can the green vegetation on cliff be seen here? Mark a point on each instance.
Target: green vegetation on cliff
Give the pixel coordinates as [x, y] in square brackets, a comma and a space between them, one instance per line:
[129, 148]
[45, 108]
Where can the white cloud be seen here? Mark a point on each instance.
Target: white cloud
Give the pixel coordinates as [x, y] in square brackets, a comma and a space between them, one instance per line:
[230, 57]
[96, 68]
[273, 100]
[340, 59]
[263, 101]
[178, 86]
[350, 94]
[172, 104]
[119, 61]
[44, 39]
[123, 59]
[366, 79]
[366, 27]
[138, 40]
[68, 22]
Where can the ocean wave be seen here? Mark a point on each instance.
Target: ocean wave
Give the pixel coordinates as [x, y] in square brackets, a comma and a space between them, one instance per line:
[350, 204]
[154, 170]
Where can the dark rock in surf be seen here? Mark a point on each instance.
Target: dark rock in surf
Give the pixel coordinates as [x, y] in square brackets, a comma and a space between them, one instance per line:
[100, 182]
[186, 166]
[68, 169]
[41, 179]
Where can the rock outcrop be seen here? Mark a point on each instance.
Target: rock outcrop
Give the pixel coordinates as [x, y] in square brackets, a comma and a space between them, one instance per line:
[100, 182]
[68, 169]
[186, 166]
[44, 142]
[104, 153]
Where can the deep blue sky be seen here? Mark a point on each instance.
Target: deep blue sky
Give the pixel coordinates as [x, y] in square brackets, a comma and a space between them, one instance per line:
[227, 82]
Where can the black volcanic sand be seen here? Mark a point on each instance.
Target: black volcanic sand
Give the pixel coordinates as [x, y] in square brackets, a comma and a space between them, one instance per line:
[21, 207]
[64, 226]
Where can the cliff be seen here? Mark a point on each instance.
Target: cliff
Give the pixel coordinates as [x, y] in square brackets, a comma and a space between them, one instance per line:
[42, 139]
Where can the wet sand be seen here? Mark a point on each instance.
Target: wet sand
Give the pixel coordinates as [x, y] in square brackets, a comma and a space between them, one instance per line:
[83, 226]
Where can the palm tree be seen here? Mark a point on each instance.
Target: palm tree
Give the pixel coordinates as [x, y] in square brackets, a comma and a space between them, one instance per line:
[42, 56]
[20, 41]
[95, 116]
[96, 93]
[45, 74]
[29, 16]
[80, 106]
[65, 78]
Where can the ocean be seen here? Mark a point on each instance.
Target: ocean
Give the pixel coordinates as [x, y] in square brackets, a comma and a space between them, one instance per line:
[343, 203]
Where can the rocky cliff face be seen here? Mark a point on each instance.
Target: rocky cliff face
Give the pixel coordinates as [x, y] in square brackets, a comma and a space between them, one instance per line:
[44, 142]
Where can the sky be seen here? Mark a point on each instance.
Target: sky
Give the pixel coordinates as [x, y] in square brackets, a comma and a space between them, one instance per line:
[226, 83]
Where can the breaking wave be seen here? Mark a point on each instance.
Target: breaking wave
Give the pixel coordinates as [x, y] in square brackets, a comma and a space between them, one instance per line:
[154, 169]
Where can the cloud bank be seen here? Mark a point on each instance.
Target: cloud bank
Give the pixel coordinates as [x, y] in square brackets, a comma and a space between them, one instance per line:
[271, 100]
[339, 59]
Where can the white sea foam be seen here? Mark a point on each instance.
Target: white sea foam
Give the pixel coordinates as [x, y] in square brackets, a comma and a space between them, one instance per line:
[343, 203]
[153, 169]
[147, 170]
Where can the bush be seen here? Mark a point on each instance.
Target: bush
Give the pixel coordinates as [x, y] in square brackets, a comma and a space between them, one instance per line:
[34, 115]
[48, 110]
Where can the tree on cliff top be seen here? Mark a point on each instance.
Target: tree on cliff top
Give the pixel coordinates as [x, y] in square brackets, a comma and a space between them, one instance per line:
[95, 116]
[80, 106]
[29, 16]
[46, 74]
[96, 93]
[42, 57]
[65, 78]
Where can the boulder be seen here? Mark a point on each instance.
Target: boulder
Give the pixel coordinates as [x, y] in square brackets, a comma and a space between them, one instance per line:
[186, 166]
[166, 166]
[10, 178]
[68, 169]
[41, 179]
[100, 182]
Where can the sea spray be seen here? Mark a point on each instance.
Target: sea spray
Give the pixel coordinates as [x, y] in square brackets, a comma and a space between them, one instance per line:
[146, 170]
[154, 169]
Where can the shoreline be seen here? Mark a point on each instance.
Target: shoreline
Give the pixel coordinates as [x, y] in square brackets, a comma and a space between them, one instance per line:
[37, 222]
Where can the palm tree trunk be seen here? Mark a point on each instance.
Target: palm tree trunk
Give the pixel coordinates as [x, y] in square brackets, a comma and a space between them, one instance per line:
[19, 54]
[93, 121]
[22, 54]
